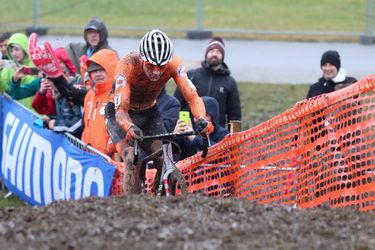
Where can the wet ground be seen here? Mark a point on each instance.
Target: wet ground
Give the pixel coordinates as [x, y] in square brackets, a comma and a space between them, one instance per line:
[192, 222]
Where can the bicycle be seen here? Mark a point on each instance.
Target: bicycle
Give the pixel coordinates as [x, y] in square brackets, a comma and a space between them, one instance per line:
[171, 178]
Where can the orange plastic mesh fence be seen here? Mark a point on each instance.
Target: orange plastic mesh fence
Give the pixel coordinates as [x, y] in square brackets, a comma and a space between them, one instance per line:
[322, 150]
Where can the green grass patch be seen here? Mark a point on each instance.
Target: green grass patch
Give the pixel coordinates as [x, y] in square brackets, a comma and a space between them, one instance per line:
[11, 201]
[301, 15]
[260, 102]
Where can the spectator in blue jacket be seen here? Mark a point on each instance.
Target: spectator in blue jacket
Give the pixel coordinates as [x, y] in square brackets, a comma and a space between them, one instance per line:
[168, 107]
[190, 145]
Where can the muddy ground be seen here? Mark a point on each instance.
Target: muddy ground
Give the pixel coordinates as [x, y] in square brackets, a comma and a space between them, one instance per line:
[192, 222]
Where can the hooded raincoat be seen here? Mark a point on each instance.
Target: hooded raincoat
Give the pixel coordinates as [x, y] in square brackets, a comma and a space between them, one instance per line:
[7, 74]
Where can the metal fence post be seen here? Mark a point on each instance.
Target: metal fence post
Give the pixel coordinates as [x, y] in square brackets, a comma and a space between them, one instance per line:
[200, 14]
[36, 13]
[36, 27]
[368, 35]
[199, 32]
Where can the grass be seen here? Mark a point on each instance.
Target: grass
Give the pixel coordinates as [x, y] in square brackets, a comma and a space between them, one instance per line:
[288, 15]
[260, 102]
[11, 201]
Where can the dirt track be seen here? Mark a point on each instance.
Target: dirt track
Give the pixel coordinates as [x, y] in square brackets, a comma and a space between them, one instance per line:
[195, 222]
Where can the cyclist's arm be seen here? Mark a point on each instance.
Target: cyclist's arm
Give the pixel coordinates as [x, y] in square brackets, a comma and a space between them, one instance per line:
[122, 94]
[114, 130]
[189, 92]
[191, 96]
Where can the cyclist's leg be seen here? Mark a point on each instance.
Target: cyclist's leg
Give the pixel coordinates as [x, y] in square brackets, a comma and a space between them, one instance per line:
[158, 162]
[131, 177]
[154, 126]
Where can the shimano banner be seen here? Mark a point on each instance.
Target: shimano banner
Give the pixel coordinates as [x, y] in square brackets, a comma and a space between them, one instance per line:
[40, 166]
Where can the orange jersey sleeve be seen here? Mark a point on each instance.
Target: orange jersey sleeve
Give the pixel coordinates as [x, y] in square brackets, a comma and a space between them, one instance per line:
[187, 88]
[122, 92]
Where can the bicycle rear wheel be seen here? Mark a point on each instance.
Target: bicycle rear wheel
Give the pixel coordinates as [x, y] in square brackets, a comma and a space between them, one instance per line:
[177, 182]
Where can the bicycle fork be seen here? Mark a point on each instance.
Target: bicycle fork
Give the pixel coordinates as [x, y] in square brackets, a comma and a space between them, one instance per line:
[166, 169]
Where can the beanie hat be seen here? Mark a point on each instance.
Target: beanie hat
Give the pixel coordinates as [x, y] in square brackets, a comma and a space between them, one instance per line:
[216, 43]
[332, 57]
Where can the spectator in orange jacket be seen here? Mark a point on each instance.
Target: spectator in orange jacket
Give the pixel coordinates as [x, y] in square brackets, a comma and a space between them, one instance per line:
[101, 67]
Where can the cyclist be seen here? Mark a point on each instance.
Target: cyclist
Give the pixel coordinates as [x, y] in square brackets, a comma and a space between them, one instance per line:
[139, 79]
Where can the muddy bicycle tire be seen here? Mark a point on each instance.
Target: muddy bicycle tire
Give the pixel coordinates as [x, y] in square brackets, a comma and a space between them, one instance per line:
[177, 178]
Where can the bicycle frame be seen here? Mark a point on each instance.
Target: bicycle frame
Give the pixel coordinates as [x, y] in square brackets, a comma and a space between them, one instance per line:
[168, 167]
[168, 164]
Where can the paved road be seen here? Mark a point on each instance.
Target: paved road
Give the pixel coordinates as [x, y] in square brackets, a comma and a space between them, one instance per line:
[261, 61]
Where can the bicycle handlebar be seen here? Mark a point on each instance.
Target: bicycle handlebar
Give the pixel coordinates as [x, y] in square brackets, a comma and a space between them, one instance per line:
[205, 141]
[167, 135]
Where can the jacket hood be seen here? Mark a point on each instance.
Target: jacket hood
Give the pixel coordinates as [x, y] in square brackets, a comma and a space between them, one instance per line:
[98, 25]
[212, 107]
[223, 70]
[107, 59]
[340, 77]
[63, 56]
[21, 40]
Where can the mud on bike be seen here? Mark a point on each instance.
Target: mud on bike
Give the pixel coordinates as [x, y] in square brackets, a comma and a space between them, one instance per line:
[171, 178]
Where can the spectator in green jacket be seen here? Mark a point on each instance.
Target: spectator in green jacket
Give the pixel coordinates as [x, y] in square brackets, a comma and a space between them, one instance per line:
[17, 51]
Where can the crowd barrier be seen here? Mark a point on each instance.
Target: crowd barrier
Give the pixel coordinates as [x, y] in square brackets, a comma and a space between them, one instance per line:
[40, 166]
[321, 151]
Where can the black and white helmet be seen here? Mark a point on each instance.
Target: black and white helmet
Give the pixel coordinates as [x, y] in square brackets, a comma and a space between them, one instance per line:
[156, 48]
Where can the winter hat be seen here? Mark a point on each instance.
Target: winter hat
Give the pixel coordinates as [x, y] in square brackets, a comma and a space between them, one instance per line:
[63, 56]
[94, 66]
[332, 57]
[212, 108]
[216, 43]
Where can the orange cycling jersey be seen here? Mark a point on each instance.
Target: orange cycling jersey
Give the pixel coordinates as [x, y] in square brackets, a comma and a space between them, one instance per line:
[134, 91]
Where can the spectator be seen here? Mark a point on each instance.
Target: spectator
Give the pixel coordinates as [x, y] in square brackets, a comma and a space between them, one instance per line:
[17, 51]
[43, 101]
[214, 79]
[334, 77]
[168, 107]
[4, 37]
[95, 35]
[60, 114]
[192, 144]
[101, 67]
[29, 89]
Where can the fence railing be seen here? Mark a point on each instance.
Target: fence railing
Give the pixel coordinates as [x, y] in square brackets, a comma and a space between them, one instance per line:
[320, 151]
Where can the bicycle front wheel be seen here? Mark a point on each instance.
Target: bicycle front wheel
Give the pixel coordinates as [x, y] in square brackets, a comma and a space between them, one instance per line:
[177, 182]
